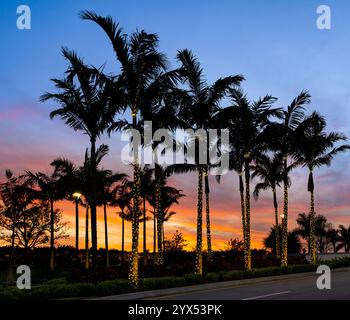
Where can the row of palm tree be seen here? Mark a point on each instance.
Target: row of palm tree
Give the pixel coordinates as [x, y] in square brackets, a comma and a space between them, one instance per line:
[265, 141]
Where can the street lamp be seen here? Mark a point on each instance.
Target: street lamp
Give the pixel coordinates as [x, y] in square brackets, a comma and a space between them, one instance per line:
[76, 196]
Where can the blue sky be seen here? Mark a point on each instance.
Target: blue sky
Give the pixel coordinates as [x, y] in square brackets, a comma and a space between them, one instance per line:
[274, 44]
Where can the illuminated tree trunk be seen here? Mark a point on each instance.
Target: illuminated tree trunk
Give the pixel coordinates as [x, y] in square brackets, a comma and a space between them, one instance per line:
[123, 236]
[247, 252]
[134, 269]
[154, 233]
[144, 233]
[275, 204]
[76, 230]
[52, 237]
[311, 189]
[92, 205]
[199, 258]
[87, 238]
[207, 211]
[106, 234]
[284, 256]
[241, 191]
[160, 256]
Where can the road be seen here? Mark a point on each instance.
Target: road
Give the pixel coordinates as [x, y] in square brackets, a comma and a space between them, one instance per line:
[298, 287]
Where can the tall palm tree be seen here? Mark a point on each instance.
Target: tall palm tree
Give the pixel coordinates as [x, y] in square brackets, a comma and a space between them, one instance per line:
[88, 102]
[123, 201]
[303, 229]
[247, 121]
[344, 238]
[145, 191]
[50, 190]
[108, 184]
[141, 65]
[283, 134]
[270, 171]
[332, 236]
[68, 177]
[200, 103]
[315, 148]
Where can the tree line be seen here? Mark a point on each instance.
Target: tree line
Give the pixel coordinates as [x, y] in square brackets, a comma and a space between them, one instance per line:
[266, 142]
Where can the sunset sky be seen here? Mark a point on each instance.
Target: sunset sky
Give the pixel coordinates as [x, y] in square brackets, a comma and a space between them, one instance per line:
[274, 44]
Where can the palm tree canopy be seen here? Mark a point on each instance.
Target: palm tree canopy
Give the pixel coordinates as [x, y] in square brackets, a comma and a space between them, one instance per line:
[314, 147]
[88, 99]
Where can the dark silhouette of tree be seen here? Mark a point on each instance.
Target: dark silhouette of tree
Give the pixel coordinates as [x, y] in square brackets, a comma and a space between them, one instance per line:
[200, 103]
[332, 236]
[48, 190]
[303, 229]
[294, 245]
[344, 238]
[234, 244]
[142, 65]
[176, 243]
[88, 102]
[248, 120]
[315, 148]
[281, 137]
[270, 172]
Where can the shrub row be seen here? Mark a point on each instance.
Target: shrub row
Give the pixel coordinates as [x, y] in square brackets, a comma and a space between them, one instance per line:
[59, 289]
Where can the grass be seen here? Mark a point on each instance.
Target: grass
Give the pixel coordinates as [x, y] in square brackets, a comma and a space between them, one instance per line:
[58, 288]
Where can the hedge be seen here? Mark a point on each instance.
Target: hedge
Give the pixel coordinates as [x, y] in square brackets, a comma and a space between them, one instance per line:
[58, 288]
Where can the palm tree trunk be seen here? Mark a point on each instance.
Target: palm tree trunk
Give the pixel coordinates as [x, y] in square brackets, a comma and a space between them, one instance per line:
[52, 238]
[134, 266]
[92, 205]
[241, 191]
[247, 252]
[207, 214]
[106, 234]
[154, 232]
[199, 258]
[312, 219]
[123, 236]
[76, 230]
[144, 233]
[284, 255]
[163, 232]
[87, 238]
[160, 256]
[275, 204]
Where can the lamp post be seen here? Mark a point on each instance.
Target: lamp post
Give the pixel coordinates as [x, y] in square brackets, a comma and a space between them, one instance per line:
[77, 196]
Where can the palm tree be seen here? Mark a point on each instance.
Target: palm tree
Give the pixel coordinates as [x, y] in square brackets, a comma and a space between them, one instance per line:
[123, 201]
[108, 184]
[270, 171]
[332, 236]
[141, 66]
[68, 177]
[200, 103]
[303, 230]
[88, 105]
[294, 245]
[344, 238]
[247, 121]
[50, 190]
[283, 134]
[145, 191]
[315, 148]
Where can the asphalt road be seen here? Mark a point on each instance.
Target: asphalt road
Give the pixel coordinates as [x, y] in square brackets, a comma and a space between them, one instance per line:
[292, 288]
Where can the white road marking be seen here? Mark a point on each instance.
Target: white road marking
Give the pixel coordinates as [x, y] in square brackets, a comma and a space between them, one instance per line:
[267, 295]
